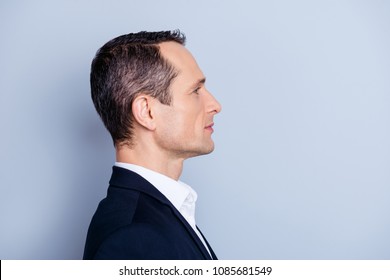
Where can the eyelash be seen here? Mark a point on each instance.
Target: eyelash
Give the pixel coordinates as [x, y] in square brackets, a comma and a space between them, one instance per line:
[196, 91]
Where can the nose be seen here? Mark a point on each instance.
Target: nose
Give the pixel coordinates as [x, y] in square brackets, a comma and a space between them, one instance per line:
[213, 106]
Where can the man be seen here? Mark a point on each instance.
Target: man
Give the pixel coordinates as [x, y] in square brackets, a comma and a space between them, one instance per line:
[151, 96]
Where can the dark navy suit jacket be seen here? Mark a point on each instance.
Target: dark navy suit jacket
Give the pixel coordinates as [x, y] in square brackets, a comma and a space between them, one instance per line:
[136, 221]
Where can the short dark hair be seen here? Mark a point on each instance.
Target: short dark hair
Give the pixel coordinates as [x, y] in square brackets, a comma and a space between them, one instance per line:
[125, 67]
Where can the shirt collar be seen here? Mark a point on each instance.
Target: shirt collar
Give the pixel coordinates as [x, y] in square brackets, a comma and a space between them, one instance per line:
[175, 191]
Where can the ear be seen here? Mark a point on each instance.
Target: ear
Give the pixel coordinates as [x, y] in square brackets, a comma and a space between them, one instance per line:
[142, 111]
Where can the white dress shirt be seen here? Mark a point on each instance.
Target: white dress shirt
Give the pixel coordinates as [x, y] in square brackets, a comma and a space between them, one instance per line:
[181, 195]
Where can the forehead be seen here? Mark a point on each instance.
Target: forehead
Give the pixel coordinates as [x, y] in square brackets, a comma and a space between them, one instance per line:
[181, 59]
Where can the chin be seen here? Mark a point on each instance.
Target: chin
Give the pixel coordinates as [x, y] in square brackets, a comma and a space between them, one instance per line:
[210, 150]
[200, 151]
[206, 150]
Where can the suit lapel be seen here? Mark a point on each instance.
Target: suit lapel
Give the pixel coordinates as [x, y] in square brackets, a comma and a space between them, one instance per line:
[208, 245]
[191, 232]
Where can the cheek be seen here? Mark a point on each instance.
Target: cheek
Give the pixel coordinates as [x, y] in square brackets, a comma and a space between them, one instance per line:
[184, 126]
[184, 122]
[194, 121]
[176, 125]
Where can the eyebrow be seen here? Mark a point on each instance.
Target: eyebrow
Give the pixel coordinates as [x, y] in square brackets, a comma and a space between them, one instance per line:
[196, 84]
[201, 81]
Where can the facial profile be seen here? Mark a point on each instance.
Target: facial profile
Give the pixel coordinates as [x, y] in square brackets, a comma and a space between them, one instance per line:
[185, 126]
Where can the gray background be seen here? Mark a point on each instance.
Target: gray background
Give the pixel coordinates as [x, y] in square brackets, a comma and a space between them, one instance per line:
[302, 159]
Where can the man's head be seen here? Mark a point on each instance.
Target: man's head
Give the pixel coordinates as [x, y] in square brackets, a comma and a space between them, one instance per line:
[125, 67]
[148, 86]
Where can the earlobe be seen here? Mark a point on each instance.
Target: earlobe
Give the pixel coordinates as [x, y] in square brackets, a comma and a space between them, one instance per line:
[142, 111]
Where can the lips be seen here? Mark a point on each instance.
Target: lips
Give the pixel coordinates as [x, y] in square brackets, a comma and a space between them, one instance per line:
[210, 127]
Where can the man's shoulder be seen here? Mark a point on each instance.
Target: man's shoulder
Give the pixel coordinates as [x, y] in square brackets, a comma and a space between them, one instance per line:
[137, 241]
[126, 204]
[122, 207]
[133, 212]
[125, 213]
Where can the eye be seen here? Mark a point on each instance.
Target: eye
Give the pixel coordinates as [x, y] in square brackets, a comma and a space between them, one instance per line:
[196, 91]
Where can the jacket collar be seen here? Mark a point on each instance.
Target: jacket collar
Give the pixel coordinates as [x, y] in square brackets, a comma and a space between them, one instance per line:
[127, 179]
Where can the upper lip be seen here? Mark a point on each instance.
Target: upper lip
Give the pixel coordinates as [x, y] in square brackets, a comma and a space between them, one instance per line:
[210, 125]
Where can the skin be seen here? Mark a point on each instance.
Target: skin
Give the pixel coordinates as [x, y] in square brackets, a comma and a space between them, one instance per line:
[166, 135]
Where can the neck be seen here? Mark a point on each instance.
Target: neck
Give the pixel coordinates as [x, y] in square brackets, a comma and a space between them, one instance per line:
[155, 161]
